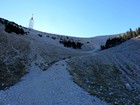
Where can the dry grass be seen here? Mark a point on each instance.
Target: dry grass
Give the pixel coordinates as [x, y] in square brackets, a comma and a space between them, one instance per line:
[11, 73]
[13, 60]
[105, 81]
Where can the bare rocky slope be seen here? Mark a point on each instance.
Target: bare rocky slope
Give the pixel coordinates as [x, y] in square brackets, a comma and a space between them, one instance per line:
[112, 75]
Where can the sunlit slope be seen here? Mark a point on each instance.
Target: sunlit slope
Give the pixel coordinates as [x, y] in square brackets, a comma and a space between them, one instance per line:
[21, 46]
[112, 74]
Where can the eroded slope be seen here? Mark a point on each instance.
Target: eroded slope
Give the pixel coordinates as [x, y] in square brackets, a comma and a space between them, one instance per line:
[112, 75]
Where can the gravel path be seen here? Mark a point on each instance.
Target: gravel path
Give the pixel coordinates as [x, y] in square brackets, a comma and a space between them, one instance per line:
[51, 87]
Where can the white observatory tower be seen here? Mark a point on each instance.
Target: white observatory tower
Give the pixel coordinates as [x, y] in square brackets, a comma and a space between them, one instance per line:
[31, 22]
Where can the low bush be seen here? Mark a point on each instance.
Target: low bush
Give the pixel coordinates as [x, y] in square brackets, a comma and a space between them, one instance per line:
[11, 73]
[39, 35]
[12, 27]
[72, 44]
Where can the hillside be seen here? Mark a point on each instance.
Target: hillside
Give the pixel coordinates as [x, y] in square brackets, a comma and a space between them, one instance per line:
[35, 68]
[35, 63]
[112, 75]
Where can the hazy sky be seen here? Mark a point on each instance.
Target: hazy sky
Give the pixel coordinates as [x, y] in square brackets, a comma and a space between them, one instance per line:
[81, 18]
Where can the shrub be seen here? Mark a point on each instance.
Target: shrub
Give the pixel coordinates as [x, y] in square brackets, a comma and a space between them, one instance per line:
[69, 43]
[11, 27]
[11, 73]
[39, 35]
[53, 38]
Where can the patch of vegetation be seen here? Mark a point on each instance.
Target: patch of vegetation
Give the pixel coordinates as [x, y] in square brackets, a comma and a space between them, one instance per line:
[53, 38]
[11, 73]
[72, 44]
[64, 58]
[120, 39]
[12, 27]
[39, 35]
[3, 21]
[69, 57]
[14, 60]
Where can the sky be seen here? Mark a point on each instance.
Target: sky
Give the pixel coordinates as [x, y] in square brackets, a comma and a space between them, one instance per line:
[80, 18]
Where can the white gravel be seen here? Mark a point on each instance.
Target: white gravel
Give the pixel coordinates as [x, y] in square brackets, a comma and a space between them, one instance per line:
[51, 87]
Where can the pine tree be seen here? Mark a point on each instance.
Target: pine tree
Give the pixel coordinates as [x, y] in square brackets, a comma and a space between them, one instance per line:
[138, 31]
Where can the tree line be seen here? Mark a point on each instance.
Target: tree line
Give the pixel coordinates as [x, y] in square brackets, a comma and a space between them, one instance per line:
[69, 43]
[12, 27]
[120, 39]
